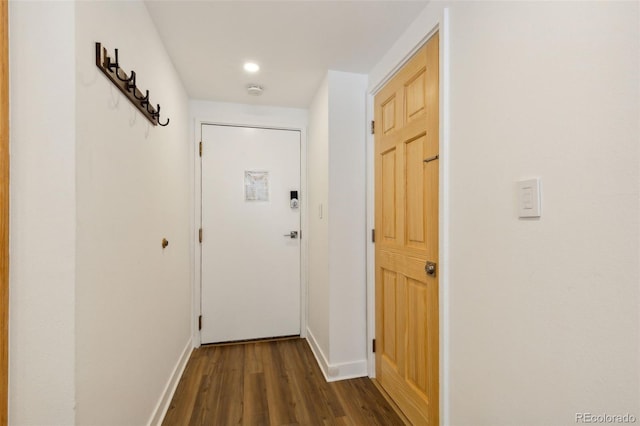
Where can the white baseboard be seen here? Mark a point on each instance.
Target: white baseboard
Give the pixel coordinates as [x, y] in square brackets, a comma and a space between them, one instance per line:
[338, 371]
[170, 388]
[317, 353]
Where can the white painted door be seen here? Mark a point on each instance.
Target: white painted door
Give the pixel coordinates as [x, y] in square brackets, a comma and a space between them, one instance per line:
[250, 269]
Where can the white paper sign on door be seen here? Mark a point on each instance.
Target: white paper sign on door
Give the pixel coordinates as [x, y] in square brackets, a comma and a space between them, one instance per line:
[256, 186]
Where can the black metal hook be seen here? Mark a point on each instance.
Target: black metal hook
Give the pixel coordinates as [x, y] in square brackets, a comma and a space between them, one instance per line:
[125, 80]
[131, 82]
[110, 64]
[143, 101]
[156, 113]
[163, 125]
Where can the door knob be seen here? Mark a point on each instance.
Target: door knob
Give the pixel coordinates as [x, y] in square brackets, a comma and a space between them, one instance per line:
[430, 268]
[293, 235]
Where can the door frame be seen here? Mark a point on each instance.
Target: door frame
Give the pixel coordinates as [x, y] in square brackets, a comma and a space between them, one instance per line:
[4, 212]
[197, 219]
[438, 22]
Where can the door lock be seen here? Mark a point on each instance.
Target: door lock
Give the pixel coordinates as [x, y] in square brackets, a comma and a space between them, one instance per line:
[430, 268]
[293, 201]
[293, 235]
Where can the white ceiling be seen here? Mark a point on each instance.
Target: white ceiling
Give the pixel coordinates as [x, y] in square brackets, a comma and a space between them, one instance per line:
[294, 42]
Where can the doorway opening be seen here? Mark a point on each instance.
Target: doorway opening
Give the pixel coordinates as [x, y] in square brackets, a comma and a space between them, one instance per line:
[406, 212]
[251, 247]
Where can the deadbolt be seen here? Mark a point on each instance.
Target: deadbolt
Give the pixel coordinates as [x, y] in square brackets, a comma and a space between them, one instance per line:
[293, 235]
[430, 268]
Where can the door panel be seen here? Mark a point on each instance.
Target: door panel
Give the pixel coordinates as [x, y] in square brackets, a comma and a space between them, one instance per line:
[414, 201]
[388, 189]
[407, 214]
[250, 269]
[388, 115]
[390, 301]
[414, 95]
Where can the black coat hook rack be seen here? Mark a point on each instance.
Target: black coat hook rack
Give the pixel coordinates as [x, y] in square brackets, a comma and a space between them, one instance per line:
[127, 85]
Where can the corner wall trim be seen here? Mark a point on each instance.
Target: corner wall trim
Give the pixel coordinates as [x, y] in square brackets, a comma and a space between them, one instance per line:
[317, 353]
[339, 371]
[167, 394]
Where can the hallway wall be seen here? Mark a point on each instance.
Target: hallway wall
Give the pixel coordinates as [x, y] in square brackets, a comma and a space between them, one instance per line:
[133, 299]
[42, 216]
[346, 216]
[317, 164]
[543, 312]
[337, 276]
[100, 314]
[550, 310]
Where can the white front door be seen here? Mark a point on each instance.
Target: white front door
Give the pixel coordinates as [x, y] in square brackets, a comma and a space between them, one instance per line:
[251, 245]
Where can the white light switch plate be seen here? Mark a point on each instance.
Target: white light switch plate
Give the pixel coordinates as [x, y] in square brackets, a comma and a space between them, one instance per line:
[529, 198]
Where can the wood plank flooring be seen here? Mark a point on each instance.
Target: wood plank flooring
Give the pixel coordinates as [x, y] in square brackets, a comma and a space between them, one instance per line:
[271, 383]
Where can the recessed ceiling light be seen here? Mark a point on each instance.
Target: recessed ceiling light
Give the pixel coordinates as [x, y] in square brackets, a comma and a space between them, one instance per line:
[251, 67]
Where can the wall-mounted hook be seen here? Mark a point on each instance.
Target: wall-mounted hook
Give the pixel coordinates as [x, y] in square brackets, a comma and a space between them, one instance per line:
[156, 113]
[110, 64]
[131, 84]
[126, 79]
[127, 84]
[144, 100]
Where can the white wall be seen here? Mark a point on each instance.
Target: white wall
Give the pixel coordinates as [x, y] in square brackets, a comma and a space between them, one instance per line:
[318, 172]
[133, 299]
[100, 316]
[543, 313]
[43, 225]
[245, 114]
[337, 281]
[347, 231]
[549, 314]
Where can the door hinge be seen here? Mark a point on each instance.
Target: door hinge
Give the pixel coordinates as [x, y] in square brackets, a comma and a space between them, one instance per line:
[200, 148]
[373, 127]
[373, 235]
[200, 235]
[200, 322]
[373, 345]
[300, 234]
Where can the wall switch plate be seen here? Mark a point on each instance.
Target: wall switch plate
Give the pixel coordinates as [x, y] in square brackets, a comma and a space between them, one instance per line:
[529, 204]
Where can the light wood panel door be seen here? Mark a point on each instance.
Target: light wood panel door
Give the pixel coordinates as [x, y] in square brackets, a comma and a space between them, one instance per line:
[406, 217]
[4, 210]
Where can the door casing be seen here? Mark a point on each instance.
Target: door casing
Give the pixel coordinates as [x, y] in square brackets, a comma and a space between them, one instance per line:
[4, 212]
[197, 219]
[439, 23]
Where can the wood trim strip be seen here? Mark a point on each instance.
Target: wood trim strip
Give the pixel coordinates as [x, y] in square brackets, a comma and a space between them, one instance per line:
[4, 211]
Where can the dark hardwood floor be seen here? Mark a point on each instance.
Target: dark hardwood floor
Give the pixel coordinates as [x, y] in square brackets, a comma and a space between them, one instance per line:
[271, 383]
